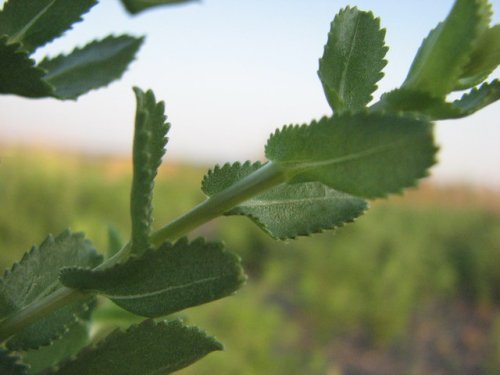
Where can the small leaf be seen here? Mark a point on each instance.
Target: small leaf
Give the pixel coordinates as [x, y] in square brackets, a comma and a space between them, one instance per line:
[18, 73]
[145, 349]
[288, 210]
[353, 60]
[35, 277]
[166, 280]
[35, 23]
[68, 345]
[96, 65]
[136, 6]
[10, 364]
[364, 154]
[149, 147]
[115, 241]
[442, 56]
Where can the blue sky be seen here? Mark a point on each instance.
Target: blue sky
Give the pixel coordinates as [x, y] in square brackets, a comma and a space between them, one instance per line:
[232, 71]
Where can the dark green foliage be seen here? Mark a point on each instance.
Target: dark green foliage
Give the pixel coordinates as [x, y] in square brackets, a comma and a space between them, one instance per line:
[353, 60]
[137, 6]
[10, 364]
[167, 280]
[145, 349]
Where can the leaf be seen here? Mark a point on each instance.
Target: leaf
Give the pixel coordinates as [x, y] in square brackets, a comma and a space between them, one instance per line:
[115, 241]
[136, 6]
[35, 277]
[149, 147]
[484, 59]
[288, 210]
[18, 73]
[36, 22]
[145, 349]
[364, 154]
[10, 364]
[166, 280]
[442, 56]
[96, 65]
[353, 60]
[68, 345]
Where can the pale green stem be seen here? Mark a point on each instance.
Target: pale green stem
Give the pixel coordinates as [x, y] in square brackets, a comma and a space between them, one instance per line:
[257, 182]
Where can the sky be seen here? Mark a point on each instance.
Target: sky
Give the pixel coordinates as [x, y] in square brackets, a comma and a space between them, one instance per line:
[230, 73]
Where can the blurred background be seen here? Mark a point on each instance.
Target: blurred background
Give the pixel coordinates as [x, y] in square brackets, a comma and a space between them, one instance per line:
[412, 287]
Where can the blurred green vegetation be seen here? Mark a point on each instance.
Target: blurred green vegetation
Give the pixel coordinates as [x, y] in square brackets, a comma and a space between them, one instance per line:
[310, 305]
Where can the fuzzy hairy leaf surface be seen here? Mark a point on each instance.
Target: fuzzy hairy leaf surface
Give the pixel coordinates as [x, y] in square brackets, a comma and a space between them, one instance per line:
[36, 276]
[136, 6]
[288, 210]
[163, 281]
[36, 22]
[150, 139]
[96, 65]
[68, 345]
[353, 60]
[18, 73]
[146, 349]
[364, 154]
[10, 364]
[441, 58]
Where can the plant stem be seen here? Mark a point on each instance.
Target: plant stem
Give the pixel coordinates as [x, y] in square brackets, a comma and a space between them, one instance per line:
[257, 182]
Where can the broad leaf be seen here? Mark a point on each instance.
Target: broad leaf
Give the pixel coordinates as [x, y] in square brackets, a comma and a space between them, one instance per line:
[149, 147]
[35, 277]
[68, 345]
[288, 210]
[96, 65]
[18, 73]
[365, 154]
[36, 22]
[11, 365]
[353, 60]
[145, 349]
[136, 6]
[440, 60]
[166, 280]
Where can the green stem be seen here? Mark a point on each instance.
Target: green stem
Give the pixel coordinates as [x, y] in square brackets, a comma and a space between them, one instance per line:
[257, 182]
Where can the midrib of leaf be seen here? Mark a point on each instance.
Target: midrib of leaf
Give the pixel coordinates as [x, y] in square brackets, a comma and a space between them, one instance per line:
[344, 72]
[262, 202]
[164, 290]
[18, 37]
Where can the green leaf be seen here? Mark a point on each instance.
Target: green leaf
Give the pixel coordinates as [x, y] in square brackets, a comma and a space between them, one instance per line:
[68, 345]
[484, 59]
[288, 210]
[365, 154]
[115, 241]
[93, 66]
[136, 6]
[145, 349]
[36, 22]
[163, 281]
[441, 59]
[353, 60]
[18, 73]
[35, 277]
[10, 364]
[149, 147]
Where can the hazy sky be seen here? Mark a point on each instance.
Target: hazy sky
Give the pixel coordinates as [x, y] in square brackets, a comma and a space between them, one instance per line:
[230, 72]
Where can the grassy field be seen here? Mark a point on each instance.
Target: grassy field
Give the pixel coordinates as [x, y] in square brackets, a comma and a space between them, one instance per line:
[411, 288]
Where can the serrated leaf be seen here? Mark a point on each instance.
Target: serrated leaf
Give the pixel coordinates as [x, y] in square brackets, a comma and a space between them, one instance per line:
[287, 210]
[36, 22]
[136, 6]
[146, 349]
[68, 345]
[149, 147]
[10, 364]
[96, 65]
[35, 277]
[353, 60]
[18, 73]
[442, 56]
[364, 154]
[163, 281]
